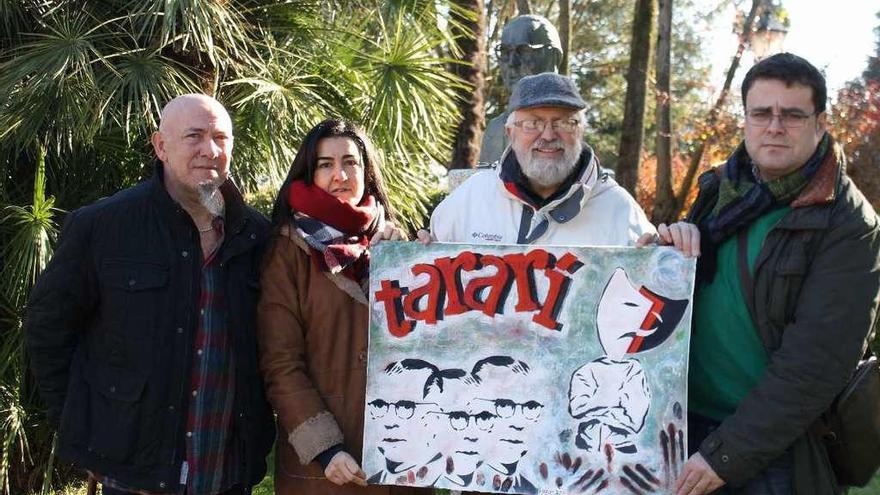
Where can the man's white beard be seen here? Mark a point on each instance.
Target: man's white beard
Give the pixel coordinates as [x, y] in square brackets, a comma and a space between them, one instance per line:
[210, 198]
[548, 172]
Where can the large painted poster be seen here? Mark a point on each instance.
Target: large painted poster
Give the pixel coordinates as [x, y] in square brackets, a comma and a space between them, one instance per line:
[527, 369]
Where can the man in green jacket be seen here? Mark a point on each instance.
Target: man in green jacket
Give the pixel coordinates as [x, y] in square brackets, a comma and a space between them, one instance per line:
[787, 293]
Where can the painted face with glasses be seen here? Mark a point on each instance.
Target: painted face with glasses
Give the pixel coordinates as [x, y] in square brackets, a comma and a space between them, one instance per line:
[511, 437]
[466, 434]
[511, 385]
[782, 128]
[506, 408]
[461, 420]
[407, 434]
[463, 428]
[403, 409]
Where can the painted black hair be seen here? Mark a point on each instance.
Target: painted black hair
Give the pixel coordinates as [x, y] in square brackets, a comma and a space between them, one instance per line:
[516, 366]
[435, 376]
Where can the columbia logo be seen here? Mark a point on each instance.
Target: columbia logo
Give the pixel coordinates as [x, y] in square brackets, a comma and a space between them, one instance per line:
[487, 237]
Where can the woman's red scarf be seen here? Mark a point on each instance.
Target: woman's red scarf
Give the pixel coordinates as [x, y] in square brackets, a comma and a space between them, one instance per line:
[337, 231]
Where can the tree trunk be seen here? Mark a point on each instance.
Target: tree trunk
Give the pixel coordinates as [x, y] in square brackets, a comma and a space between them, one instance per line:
[501, 20]
[712, 119]
[523, 7]
[664, 202]
[630, 149]
[472, 43]
[565, 34]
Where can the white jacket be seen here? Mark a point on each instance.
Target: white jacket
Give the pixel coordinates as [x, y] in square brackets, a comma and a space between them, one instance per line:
[595, 211]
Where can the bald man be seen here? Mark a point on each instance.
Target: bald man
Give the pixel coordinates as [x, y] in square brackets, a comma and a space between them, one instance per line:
[141, 329]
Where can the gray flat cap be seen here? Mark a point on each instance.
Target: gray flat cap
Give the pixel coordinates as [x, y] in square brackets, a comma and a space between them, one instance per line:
[547, 89]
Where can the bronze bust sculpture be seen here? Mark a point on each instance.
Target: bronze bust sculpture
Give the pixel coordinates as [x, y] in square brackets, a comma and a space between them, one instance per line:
[529, 45]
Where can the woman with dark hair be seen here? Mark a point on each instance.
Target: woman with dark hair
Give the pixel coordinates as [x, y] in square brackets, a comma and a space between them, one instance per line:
[313, 311]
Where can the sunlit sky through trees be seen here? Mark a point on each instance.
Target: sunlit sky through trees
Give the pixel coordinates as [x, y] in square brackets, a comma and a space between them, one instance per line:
[837, 37]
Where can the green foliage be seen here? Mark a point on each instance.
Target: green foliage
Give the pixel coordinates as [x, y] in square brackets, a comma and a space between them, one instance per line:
[598, 62]
[854, 120]
[873, 488]
[29, 231]
[82, 83]
[382, 74]
[409, 109]
[88, 81]
[13, 439]
[29, 246]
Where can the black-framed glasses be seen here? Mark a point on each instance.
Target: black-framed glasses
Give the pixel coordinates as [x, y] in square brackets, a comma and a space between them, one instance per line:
[535, 126]
[460, 420]
[506, 408]
[790, 119]
[403, 409]
[506, 52]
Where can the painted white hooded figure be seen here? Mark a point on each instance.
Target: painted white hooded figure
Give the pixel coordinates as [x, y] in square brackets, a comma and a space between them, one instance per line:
[610, 395]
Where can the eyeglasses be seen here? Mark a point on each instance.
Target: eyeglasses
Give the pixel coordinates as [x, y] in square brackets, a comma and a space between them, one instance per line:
[403, 409]
[506, 408]
[506, 52]
[790, 119]
[536, 126]
[460, 420]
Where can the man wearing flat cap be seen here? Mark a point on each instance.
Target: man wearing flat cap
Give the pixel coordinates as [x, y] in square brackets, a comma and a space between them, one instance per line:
[548, 188]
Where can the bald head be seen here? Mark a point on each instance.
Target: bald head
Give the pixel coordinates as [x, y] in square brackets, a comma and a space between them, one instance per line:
[182, 105]
[194, 142]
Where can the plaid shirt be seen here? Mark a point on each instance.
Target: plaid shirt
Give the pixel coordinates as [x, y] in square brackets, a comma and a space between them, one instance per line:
[212, 457]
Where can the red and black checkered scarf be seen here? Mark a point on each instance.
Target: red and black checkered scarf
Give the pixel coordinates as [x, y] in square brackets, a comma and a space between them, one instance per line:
[337, 232]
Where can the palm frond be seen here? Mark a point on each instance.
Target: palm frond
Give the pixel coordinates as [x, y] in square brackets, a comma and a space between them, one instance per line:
[272, 107]
[410, 110]
[13, 421]
[408, 80]
[49, 83]
[82, 84]
[284, 18]
[139, 86]
[216, 31]
[28, 249]
[13, 21]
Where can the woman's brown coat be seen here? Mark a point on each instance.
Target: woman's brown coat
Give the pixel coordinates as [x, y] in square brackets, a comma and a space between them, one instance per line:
[313, 343]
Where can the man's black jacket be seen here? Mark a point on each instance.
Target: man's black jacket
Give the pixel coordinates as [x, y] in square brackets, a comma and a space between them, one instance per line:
[110, 330]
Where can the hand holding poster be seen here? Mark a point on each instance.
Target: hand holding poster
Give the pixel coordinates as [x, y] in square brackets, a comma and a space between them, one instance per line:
[527, 369]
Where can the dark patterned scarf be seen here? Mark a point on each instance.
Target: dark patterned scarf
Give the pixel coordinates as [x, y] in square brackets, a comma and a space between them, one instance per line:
[743, 198]
[338, 233]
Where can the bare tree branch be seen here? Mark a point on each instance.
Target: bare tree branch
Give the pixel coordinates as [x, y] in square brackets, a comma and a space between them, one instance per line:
[712, 119]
